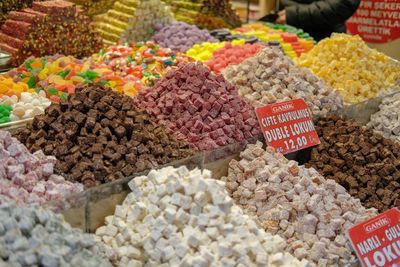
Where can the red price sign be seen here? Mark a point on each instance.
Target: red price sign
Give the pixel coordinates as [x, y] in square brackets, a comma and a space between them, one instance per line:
[288, 126]
[376, 21]
[377, 241]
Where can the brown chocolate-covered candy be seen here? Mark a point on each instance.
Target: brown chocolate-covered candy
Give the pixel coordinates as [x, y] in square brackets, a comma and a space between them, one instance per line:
[361, 160]
[99, 143]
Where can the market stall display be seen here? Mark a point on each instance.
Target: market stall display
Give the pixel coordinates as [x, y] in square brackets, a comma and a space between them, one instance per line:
[270, 77]
[179, 217]
[44, 29]
[294, 42]
[33, 236]
[347, 64]
[180, 36]
[132, 20]
[362, 161]
[199, 107]
[387, 119]
[208, 14]
[98, 136]
[309, 212]
[143, 130]
[29, 178]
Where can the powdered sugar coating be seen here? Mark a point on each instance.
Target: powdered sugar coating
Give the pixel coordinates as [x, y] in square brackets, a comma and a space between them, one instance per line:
[271, 77]
[29, 178]
[311, 213]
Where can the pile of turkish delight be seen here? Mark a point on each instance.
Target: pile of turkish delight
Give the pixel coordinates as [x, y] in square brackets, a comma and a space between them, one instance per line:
[48, 28]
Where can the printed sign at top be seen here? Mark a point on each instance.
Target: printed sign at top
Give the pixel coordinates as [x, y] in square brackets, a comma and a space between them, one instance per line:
[376, 21]
[377, 241]
[288, 126]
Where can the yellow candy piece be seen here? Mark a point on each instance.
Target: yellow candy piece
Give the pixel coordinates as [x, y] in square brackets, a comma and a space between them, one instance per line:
[77, 79]
[347, 64]
[43, 74]
[3, 88]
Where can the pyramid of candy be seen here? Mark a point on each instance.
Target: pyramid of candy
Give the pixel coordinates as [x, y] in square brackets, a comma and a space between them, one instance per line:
[59, 75]
[209, 14]
[232, 55]
[10, 5]
[347, 64]
[270, 77]
[147, 62]
[98, 136]
[181, 36]
[293, 41]
[132, 20]
[197, 106]
[177, 217]
[48, 28]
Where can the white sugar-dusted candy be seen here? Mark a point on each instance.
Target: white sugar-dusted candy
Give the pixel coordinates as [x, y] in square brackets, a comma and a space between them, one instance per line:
[33, 236]
[387, 119]
[271, 77]
[312, 214]
[195, 223]
[27, 106]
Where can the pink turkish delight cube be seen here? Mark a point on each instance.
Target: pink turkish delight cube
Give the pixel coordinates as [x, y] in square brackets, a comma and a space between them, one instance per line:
[214, 135]
[184, 130]
[207, 106]
[247, 115]
[220, 122]
[39, 189]
[214, 125]
[48, 169]
[4, 153]
[198, 125]
[192, 138]
[206, 128]
[13, 170]
[221, 141]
